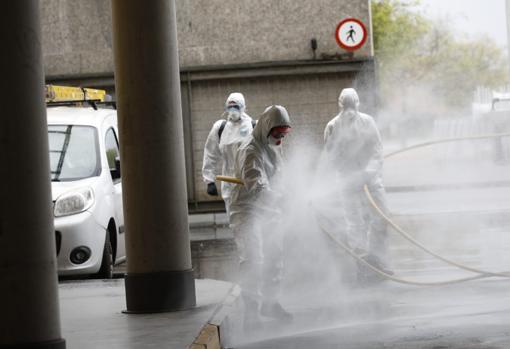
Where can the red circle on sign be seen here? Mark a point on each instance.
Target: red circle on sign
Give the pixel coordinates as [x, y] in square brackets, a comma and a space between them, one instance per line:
[361, 43]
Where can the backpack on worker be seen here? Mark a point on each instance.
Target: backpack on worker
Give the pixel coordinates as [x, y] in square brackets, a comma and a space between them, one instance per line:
[224, 122]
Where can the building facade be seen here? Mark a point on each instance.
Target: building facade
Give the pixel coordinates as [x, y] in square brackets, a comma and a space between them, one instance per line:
[261, 48]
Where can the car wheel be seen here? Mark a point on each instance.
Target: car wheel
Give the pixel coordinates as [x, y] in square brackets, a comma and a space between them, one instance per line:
[106, 270]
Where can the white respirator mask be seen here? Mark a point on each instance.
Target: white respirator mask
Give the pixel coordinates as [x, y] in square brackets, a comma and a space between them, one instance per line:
[233, 113]
[234, 116]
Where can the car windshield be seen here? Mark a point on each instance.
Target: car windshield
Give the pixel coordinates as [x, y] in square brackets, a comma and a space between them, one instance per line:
[73, 152]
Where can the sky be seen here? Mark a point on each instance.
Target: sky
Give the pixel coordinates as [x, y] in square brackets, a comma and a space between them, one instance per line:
[472, 17]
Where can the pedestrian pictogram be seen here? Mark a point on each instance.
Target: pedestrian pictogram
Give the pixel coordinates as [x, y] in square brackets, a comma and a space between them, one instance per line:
[351, 34]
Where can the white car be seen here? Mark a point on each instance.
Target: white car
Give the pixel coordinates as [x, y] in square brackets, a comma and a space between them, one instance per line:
[86, 190]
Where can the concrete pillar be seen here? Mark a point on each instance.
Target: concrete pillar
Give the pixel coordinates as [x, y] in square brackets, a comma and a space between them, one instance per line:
[29, 308]
[159, 274]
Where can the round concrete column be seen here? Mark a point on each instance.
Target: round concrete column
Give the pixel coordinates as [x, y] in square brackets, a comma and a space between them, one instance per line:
[159, 274]
[29, 307]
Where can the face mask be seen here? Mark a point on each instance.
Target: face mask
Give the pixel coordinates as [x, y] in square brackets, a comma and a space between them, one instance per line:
[234, 113]
[233, 116]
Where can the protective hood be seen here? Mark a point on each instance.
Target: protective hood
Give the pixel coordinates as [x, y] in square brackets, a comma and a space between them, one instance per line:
[258, 164]
[348, 99]
[238, 98]
[273, 116]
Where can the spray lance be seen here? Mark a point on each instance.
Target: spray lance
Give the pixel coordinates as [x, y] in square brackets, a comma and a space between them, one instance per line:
[229, 180]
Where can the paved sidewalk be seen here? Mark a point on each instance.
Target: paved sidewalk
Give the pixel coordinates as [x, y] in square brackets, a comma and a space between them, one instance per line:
[91, 316]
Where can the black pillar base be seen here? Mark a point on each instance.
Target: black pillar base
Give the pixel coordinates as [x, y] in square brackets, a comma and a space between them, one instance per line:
[55, 344]
[160, 292]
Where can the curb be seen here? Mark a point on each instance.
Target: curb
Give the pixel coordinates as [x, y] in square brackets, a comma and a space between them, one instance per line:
[209, 338]
[212, 333]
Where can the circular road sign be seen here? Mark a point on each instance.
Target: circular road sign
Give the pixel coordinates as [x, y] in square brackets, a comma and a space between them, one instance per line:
[351, 34]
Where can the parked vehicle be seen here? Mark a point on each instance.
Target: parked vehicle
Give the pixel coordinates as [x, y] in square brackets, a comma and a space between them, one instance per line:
[86, 189]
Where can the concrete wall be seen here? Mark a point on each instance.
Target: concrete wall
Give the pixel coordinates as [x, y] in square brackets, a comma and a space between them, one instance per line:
[311, 101]
[242, 31]
[77, 36]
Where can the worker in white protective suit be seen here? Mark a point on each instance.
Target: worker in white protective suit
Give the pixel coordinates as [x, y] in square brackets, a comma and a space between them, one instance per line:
[221, 145]
[354, 149]
[254, 215]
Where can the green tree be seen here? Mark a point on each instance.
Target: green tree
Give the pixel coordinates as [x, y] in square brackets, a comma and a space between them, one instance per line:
[396, 28]
[418, 53]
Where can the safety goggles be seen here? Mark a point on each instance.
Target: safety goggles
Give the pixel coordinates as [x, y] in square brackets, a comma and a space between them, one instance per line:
[279, 132]
[233, 107]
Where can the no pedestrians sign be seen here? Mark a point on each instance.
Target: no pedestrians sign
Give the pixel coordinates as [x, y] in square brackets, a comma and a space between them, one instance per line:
[351, 34]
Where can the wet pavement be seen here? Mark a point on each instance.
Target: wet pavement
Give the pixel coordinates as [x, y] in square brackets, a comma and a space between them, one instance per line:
[474, 315]
[386, 314]
[463, 217]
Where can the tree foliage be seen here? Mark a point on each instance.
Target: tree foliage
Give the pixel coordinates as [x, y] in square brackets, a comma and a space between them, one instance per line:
[396, 28]
[418, 53]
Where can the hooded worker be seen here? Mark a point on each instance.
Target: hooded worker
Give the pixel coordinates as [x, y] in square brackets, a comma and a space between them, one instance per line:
[254, 214]
[354, 149]
[221, 145]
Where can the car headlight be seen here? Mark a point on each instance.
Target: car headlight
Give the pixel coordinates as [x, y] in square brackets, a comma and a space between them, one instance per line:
[74, 202]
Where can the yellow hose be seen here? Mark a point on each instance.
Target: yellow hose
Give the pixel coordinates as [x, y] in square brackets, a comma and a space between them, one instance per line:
[483, 273]
[422, 247]
[445, 140]
[392, 277]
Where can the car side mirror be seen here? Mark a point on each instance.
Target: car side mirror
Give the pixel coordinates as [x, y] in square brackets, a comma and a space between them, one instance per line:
[116, 171]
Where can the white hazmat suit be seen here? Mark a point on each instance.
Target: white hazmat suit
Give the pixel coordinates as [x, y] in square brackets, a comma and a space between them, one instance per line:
[254, 209]
[222, 142]
[354, 149]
